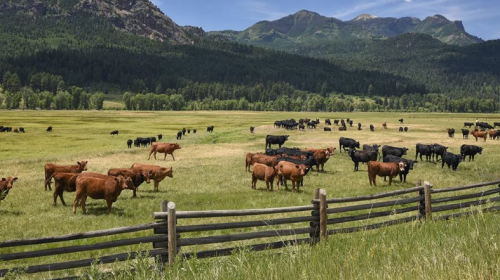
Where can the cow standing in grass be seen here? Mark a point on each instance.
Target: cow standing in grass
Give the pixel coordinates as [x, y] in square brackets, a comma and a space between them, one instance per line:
[264, 173]
[5, 185]
[166, 148]
[51, 169]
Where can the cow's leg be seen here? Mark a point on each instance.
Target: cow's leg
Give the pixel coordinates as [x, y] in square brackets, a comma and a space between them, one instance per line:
[77, 199]
[390, 180]
[442, 164]
[82, 202]
[156, 185]
[172, 156]
[278, 177]
[155, 155]
[149, 157]
[109, 202]
[134, 190]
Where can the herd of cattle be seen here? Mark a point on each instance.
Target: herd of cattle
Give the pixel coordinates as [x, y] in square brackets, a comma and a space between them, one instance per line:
[292, 124]
[293, 164]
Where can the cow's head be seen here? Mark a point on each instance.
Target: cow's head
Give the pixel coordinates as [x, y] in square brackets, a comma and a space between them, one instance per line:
[124, 182]
[480, 150]
[147, 175]
[401, 166]
[405, 150]
[82, 165]
[167, 172]
[286, 137]
[9, 181]
[302, 169]
[331, 150]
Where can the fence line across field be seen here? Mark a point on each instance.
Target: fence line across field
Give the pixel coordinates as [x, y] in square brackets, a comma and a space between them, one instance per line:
[307, 224]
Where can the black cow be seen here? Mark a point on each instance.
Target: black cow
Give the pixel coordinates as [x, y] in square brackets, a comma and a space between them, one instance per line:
[21, 129]
[451, 132]
[129, 143]
[49, 129]
[362, 156]
[114, 132]
[496, 135]
[400, 120]
[327, 122]
[359, 126]
[184, 131]
[408, 165]
[372, 128]
[144, 141]
[277, 124]
[347, 143]
[484, 125]
[251, 129]
[160, 136]
[451, 160]
[401, 129]
[395, 151]
[189, 130]
[465, 133]
[470, 150]
[311, 124]
[137, 143]
[373, 147]
[495, 124]
[4, 129]
[406, 129]
[469, 124]
[194, 130]
[288, 152]
[425, 150]
[179, 135]
[301, 126]
[276, 139]
[438, 150]
[350, 123]
[336, 122]
[210, 128]
[327, 129]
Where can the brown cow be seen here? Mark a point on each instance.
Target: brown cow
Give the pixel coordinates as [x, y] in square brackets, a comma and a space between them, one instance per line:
[5, 185]
[492, 134]
[290, 171]
[264, 173]
[383, 169]
[384, 125]
[322, 156]
[64, 182]
[108, 188]
[261, 158]
[248, 160]
[166, 148]
[479, 134]
[158, 173]
[51, 169]
[138, 176]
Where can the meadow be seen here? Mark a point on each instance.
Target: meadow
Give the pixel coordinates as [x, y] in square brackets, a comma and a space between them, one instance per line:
[209, 174]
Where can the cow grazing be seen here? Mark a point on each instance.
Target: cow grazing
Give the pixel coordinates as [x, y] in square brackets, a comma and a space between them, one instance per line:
[484, 125]
[51, 169]
[359, 126]
[400, 120]
[336, 122]
[99, 188]
[276, 139]
[465, 133]
[384, 125]
[406, 129]
[425, 150]
[5, 185]
[210, 128]
[479, 134]
[372, 128]
[179, 135]
[49, 129]
[327, 129]
[438, 150]
[302, 127]
[491, 133]
[137, 144]
[194, 130]
[342, 128]
[16, 130]
[497, 134]
[145, 141]
[158, 173]
[138, 176]
[408, 165]
[347, 143]
[252, 129]
[21, 129]
[290, 171]
[362, 156]
[64, 182]
[328, 122]
[160, 136]
[248, 160]
[469, 124]
[114, 132]
[184, 131]
[350, 123]
[470, 150]
[451, 132]
[401, 129]
[383, 169]
[129, 143]
[395, 151]
[263, 159]
[451, 160]
[264, 173]
[166, 148]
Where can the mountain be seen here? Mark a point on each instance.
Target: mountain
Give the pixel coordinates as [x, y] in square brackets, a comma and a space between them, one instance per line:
[138, 17]
[308, 27]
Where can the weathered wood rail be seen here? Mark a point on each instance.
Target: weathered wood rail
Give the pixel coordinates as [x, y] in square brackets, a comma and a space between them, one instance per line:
[201, 235]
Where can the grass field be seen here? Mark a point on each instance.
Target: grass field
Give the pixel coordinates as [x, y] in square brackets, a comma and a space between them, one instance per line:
[209, 174]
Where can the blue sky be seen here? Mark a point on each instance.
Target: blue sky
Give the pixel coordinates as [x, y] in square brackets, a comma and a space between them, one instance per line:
[480, 17]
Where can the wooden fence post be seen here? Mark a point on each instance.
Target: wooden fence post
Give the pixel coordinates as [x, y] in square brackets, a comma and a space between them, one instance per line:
[428, 203]
[420, 203]
[172, 233]
[323, 217]
[315, 233]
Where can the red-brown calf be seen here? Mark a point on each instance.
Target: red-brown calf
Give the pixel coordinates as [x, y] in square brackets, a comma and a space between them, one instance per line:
[138, 176]
[5, 185]
[108, 188]
[264, 173]
[290, 171]
[248, 160]
[64, 182]
[51, 169]
[166, 148]
[383, 169]
[479, 134]
[267, 160]
[158, 173]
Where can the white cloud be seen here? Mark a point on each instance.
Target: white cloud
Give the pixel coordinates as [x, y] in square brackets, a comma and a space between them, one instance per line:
[409, 1]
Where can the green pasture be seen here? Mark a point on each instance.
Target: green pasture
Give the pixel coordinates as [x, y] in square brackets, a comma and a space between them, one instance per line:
[209, 174]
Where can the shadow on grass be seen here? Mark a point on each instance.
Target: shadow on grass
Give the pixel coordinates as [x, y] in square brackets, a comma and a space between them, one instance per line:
[13, 213]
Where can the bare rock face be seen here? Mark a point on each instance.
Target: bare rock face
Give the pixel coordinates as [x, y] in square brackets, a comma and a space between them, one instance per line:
[139, 17]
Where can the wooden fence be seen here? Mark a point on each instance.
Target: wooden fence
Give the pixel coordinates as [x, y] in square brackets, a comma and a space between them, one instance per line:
[273, 227]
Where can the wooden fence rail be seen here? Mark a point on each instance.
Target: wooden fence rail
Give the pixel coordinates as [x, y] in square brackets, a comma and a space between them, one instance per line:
[273, 228]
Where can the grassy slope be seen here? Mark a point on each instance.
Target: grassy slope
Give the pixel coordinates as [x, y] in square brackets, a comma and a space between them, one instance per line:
[209, 173]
